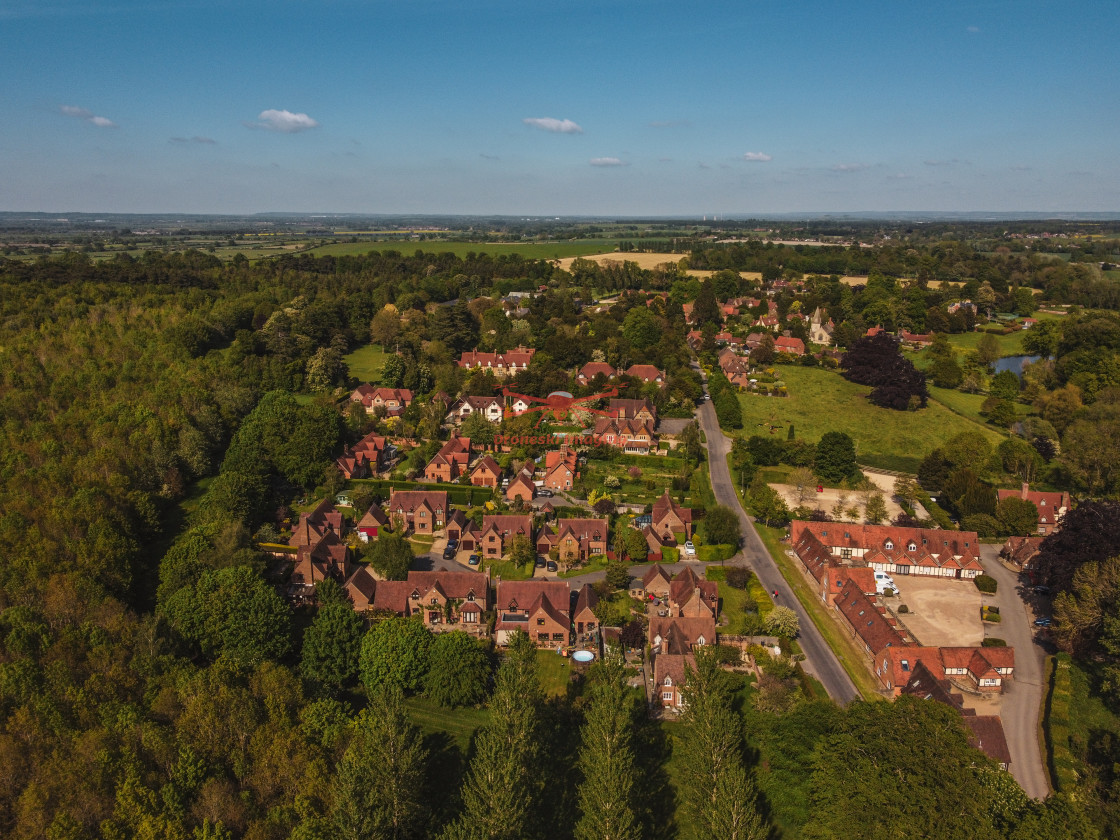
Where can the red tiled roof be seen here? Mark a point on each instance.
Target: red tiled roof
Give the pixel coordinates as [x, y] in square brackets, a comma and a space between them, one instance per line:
[524, 593]
[864, 616]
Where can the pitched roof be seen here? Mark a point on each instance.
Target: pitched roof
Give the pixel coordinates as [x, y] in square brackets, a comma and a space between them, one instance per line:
[665, 504]
[647, 373]
[392, 595]
[892, 544]
[591, 369]
[360, 587]
[655, 571]
[672, 666]
[488, 464]
[521, 594]
[926, 685]
[410, 500]
[458, 585]
[864, 616]
[588, 599]
[678, 634]
[987, 735]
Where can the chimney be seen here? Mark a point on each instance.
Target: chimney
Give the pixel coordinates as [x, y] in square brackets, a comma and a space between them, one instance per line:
[1026, 489]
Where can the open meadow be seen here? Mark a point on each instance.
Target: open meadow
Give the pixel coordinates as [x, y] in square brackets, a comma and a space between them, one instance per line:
[366, 362]
[822, 401]
[528, 250]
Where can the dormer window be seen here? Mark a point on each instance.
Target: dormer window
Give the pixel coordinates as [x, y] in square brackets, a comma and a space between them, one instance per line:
[905, 665]
[911, 547]
[890, 546]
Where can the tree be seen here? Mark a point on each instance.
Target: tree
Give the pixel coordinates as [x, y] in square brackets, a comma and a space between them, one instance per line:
[379, 790]
[1089, 533]
[606, 759]
[836, 457]
[1018, 517]
[618, 575]
[1004, 385]
[728, 411]
[705, 310]
[392, 372]
[803, 482]
[499, 793]
[875, 508]
[635, 544]
[641, 328]
[690, 441]
[946, 373]
[876, 360]
[233, 613]
[391, 555]
[718, 795]
[721, 525]
[330, 647]
[782, 621]
[395, 653]
[458, 670]
[1019, 459]
[385, 326]
[988, 349]
[767, 504]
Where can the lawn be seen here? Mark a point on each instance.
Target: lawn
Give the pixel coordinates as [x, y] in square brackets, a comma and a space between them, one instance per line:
[460, 724]
[528, 250]
[508, 571]
[822, 401]
[658, 470]
[967, 404]
[554, 671]
[365, 363]
[732, 600]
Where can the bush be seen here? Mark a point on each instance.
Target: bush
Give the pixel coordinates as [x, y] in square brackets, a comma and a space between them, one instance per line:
[902, 608]
[737, 577]
[992, 641]
[991, 617]
[986, 584]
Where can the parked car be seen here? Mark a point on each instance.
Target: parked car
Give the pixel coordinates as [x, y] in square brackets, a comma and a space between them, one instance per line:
[1042, 622]
[474, 560]
[540, 562]
[452, 547]
[543, 491]
[1040, 590]
[552, 567]
[689, 549]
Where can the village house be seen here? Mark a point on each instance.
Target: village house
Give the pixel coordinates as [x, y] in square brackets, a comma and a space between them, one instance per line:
[575, 540]
[793, 346]
[443, 600]
[451, 460]
[647, 373]
[592, 369]
[486, 472]
[916, 339]
[393, 400]
[540, 608]
[653, 584]
[584, 618]
[690, 597]
[670, 520]
[560, 468]
[313, 526]
[502, 365]
[370, 525]
[492, 539]
[521, 487]
[978, 668]
[642, 410]
[895, 550]
[488, 407]
[669, 676]
[360, 588]
[678, 636]
[1051, 506]
[372, 454]
[634, 437]
[327, 557]
[421, 511]
[1021, 551]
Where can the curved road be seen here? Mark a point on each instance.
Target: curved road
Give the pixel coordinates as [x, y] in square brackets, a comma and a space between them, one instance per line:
[819, 659]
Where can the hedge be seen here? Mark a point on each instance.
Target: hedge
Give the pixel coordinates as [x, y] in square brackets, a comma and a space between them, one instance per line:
[712, 553]
[1063, 766]
[992, 641]
[670, 555]
[986, 584]
[936, 512]
[457, 494]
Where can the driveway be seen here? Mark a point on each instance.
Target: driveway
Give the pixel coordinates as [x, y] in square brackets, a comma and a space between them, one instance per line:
[1023, 695]
[819, 659]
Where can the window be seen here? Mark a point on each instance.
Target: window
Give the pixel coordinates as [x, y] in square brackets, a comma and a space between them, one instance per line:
[890, 546]
[905, 665]
[666, 695]
[911, 547]
[540, 621]
[846, 553]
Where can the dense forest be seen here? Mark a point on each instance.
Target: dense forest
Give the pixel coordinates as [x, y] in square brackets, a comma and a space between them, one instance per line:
[159, 410]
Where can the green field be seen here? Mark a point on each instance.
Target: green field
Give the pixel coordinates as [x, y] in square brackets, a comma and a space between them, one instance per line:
[529, 250]
[967, 404]
[822, 401]
[365, 363]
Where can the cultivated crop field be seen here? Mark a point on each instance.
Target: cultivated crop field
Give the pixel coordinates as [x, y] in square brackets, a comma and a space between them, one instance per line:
[822, 401]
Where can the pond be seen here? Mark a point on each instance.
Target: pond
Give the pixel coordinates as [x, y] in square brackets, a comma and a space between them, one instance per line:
[1015, 364]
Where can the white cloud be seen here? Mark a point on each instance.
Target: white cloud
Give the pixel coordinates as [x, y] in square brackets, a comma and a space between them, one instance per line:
[87, 115]
[760, 157]
[554, 125]
[283, 121]
[607, 161]
[849, 167]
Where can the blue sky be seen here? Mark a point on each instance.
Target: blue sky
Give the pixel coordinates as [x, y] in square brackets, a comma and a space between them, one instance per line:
[611, 107]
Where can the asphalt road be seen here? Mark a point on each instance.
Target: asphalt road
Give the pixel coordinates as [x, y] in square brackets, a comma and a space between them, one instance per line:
[819, 659]
[1022, 695]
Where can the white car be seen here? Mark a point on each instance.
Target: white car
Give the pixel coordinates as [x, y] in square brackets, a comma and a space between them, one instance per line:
[690, 549]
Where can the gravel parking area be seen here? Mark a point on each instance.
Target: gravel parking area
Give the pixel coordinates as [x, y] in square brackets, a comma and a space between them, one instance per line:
[943, 613]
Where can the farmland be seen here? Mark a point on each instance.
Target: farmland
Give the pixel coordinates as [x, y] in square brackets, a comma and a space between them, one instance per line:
[893, 440]
[528, 250]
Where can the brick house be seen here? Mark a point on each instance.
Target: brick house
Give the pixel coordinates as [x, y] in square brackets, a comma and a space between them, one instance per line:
[670, 519]
[327, 557]
[795, 346]
[647, 373]
[360, 588]
[540, 608]
[421, 511]
[632, 436]
[494, 537]
[575, 540]
[393, 400]
[1051, 506]
[690, 597]
[372, 454]
[560, 468]
[486, 473]
[654, 583]
[584, 618]
[451, 460]
[675, 635]
[522, 488]
[592, 369]
[623, 409]
[449, 600]
[669, 676]
[502, 365]
[370, 525]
